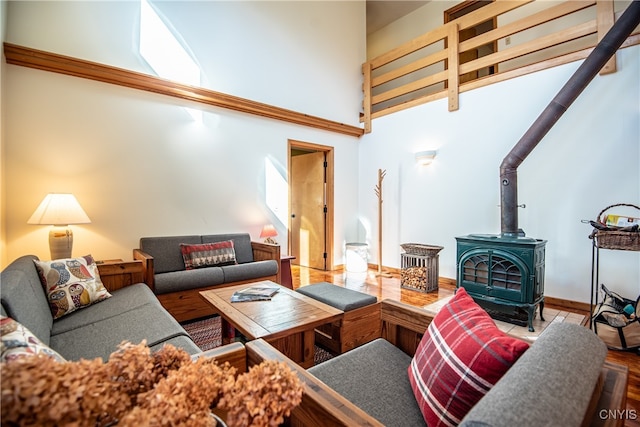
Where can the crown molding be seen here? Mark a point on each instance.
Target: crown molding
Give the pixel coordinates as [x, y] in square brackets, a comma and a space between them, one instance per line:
[47, 61]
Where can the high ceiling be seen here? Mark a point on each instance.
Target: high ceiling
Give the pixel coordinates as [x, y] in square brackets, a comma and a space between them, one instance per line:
[382, 12]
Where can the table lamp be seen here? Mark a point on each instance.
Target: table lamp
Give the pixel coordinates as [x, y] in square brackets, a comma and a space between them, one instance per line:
[59, 210]
[269, 231]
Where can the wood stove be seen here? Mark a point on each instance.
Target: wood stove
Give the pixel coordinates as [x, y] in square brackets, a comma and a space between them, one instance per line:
[506, 271]
[503, 274]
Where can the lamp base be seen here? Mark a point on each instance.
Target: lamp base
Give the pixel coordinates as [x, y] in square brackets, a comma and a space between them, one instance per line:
[270, 241]
[60, 242]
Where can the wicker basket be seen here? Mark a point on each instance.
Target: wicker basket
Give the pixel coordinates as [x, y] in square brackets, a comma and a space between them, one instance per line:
[421, 249]
[612, 239]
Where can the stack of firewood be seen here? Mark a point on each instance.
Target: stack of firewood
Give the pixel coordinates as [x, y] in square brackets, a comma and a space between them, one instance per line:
[414, 277]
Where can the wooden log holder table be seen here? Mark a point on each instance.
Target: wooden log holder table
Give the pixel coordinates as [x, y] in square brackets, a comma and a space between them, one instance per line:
[287, 321]
[359, 323]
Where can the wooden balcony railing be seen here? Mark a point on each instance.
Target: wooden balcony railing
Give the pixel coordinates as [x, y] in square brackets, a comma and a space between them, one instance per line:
[429, 67]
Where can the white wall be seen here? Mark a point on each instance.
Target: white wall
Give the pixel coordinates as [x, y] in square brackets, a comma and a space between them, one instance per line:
[588, 161]
[135, 160]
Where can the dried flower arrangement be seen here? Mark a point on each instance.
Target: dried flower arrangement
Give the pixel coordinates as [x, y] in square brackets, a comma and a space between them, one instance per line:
[135, 387]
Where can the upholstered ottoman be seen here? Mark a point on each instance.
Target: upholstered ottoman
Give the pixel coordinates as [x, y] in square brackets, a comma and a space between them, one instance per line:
[359, 324]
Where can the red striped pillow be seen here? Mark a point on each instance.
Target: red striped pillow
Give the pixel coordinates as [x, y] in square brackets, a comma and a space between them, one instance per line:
[208, 254]
[460, 357]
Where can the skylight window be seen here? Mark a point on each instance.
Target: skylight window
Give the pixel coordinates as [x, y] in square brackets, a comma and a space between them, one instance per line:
[277, 191]
[164, 53]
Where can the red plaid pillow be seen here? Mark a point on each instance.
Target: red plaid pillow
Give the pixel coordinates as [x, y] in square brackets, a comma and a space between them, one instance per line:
[460, 357]
[208, 254]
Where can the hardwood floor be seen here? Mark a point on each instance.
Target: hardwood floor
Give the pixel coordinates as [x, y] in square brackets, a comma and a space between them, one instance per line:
[389, 288]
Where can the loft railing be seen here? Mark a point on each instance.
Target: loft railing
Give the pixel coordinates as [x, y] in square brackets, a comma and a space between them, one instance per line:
[431, 66]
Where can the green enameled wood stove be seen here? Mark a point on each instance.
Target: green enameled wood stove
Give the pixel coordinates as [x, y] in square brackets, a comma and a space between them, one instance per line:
[503, 274]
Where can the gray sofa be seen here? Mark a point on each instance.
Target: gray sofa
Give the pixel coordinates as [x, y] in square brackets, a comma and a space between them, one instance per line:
[132, 314]
[179, 289]
[561, 380]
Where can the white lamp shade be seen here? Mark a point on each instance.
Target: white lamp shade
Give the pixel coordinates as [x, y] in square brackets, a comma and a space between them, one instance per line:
[59, 209]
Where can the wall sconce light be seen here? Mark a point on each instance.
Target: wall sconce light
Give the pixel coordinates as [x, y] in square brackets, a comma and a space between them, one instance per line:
[59, 210]
[425, 158]
[269, 232]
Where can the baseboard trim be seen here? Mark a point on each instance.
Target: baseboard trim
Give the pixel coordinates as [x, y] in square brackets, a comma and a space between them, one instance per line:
[567, 304]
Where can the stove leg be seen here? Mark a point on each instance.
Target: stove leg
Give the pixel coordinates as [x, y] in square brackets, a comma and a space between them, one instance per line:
[531, 310]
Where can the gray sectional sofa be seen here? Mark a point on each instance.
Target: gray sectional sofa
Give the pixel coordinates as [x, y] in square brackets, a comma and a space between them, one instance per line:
[132, 314]
[178, 289]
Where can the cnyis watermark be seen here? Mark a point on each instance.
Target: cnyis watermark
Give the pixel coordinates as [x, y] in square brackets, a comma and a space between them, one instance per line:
[617, 414]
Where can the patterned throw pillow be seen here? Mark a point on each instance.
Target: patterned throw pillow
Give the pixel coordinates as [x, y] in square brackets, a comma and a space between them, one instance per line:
[19, 341]
[460, 357]
[208, 254]
[71, 284]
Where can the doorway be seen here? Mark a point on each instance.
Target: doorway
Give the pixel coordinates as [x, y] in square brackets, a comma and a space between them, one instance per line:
[311, 204]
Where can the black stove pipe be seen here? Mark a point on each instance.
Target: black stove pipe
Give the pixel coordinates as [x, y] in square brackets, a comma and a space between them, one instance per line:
[570, 91]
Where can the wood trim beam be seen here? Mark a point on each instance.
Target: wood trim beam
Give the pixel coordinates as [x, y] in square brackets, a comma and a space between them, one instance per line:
[367, 89]
[576, 32]
[488, 12]
[47, 61]
[409, 47]
[419, 64]
[606, 18]
[410, 87]
[453, 67]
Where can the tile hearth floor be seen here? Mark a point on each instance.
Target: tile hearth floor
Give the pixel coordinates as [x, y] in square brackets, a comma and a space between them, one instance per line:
[550, 315]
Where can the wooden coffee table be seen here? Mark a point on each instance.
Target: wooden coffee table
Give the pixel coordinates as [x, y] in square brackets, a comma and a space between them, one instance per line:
[287, 321]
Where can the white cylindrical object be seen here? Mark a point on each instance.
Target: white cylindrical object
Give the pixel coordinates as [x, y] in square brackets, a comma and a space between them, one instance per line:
[356, 257]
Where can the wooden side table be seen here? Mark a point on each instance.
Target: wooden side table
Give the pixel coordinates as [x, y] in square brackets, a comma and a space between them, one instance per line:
[285, 271]
[116, 273]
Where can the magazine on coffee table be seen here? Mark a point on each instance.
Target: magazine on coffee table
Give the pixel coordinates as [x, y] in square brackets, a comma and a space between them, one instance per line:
[254, 293]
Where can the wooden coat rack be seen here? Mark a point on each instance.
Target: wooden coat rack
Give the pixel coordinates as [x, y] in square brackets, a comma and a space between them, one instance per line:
[378, 191]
